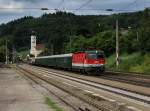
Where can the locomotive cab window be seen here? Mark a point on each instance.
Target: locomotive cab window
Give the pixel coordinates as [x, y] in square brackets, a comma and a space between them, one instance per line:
[100, 55]
[95, 55]
[92, 56]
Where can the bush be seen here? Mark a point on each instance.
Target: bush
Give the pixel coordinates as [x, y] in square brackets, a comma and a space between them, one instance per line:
[130, 63]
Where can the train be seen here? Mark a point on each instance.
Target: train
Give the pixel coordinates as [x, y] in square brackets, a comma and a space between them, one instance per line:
[83, 61]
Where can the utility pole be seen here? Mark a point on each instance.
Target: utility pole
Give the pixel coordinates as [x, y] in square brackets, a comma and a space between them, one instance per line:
[13, 55]
[117, 44]
[70, 44]
[137, 36]
[138, 42]
[70, 35]
[52, 49]
[6, 53]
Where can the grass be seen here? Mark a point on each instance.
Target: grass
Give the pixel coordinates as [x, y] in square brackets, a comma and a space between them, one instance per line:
[130, 63]
[51, 104]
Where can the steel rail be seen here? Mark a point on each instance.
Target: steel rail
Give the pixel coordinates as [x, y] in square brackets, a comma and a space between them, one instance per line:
[128, 79]
[83, 78]
[96, 105]
[33, 78]
[133, 95]
[141, 75]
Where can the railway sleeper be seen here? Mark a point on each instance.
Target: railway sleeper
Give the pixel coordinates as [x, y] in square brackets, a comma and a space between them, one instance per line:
[101, 103]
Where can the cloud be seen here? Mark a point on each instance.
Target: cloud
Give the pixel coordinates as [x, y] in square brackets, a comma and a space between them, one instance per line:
[26, 0]
[102, 5]
[9, 6]
[71, 4]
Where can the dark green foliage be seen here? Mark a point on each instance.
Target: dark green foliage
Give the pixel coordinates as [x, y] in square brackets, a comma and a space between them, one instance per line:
[86, 32]
[144, 39]
[102, 41]
[129, 43]
[2, 54]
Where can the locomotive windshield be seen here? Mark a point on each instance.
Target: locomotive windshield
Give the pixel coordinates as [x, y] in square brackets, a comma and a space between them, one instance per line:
[95, 55]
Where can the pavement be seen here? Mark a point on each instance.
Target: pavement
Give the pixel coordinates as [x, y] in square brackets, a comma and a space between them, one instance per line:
[16, 94]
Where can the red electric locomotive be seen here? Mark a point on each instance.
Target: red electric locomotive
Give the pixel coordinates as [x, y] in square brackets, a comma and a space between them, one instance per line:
[86, 61]
[89, 61]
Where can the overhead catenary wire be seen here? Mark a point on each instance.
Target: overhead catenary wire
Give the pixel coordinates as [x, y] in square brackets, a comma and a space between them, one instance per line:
[24, 8]
[129, 5]
[60, 5]
[81, 8]
[69, 9]
[83, 5]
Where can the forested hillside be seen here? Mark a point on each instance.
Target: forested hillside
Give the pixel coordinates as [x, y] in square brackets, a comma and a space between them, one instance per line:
[85, 31]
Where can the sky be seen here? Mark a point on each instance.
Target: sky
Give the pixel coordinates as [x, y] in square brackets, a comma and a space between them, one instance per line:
[14, 9]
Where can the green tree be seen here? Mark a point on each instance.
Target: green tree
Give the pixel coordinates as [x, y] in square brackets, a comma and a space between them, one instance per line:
[2, 53]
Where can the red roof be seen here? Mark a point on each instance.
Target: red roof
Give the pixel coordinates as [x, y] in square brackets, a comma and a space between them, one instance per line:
[40, 46]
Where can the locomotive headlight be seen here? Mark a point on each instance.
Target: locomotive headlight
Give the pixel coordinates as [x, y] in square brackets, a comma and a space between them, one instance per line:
[96, 62]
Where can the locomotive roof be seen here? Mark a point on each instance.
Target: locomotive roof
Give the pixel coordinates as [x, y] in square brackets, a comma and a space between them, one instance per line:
[93, 51]
[90, 51]
[55, 56]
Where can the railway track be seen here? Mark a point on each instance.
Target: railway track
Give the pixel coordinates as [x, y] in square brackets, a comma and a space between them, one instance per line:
[37, 80]
[130, 78]
[143, 90]
[136, 79]
[141, 75]
[94, 100]
[2, 65]
[128, 94]
[131, 94]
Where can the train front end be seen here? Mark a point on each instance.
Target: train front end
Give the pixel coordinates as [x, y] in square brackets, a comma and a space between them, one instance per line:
[94, 61]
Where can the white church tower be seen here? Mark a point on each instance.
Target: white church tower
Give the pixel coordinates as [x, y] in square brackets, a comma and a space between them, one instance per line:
[33, 45]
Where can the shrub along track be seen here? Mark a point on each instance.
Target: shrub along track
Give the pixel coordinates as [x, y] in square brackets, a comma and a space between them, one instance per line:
[94, 100]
